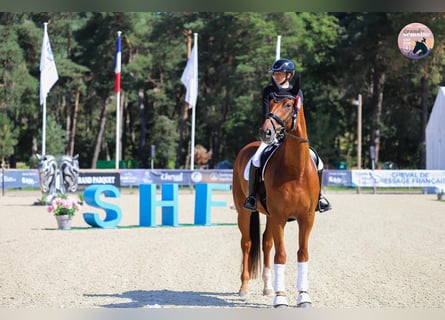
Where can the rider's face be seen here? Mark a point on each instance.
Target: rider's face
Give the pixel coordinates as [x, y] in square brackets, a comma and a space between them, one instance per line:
[279, 76]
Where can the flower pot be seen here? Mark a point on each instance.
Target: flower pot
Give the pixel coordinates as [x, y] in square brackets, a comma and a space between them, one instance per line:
[64, 221]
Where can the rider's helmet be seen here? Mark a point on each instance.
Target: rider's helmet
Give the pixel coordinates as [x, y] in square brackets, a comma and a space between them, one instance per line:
[283, 65]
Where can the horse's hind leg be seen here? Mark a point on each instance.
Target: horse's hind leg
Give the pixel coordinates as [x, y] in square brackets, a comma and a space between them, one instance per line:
[246, 243]
[267, 269]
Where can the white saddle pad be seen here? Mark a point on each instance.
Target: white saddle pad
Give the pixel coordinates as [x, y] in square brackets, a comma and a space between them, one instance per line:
[247, 168]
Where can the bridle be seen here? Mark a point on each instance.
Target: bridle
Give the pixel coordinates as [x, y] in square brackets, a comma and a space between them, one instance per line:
[281, 131]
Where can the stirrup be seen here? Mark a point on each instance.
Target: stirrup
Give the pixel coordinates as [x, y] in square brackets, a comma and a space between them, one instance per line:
[250, 203]
[323, 204]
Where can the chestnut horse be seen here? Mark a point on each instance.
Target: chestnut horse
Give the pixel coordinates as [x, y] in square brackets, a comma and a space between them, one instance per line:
[289, 191]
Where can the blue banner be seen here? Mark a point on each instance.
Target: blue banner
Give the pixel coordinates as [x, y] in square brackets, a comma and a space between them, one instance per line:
[16, 178]
[135, 177]
[339, 178]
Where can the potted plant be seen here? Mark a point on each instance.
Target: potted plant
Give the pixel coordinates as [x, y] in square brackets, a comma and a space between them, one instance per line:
[63, 208]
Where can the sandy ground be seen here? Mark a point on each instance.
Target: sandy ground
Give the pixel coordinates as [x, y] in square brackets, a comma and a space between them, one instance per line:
[371, 251]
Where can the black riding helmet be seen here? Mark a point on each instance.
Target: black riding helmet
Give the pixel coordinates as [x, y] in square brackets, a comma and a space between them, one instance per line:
[283, 65]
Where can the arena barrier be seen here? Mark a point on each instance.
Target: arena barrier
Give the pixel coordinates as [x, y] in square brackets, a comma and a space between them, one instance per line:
[17, 178]
[384, 178]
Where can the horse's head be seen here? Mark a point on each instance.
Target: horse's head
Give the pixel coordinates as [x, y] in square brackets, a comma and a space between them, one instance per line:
[69, 168]
[283, 113]
[47, 170]
[420, 46]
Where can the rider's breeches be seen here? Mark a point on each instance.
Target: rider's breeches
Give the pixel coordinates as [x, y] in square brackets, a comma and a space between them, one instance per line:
[257, 156]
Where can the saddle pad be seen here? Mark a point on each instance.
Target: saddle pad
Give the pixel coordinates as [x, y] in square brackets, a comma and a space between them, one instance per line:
[267, 154]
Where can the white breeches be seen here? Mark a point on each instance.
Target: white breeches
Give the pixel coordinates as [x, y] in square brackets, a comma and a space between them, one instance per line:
[257, 156]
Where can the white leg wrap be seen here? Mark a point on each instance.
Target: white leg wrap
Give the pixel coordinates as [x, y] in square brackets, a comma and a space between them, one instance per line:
[302, 278]
[279, 283]
[267, 279]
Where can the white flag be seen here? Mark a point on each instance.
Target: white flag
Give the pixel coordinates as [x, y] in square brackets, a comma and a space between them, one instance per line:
[48, 70]
[190, 77]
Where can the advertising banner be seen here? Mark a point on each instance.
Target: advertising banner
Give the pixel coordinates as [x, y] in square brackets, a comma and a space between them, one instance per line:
[398, 178]
[339, 178]
[15, 178]
[99, 177]
[135, 177]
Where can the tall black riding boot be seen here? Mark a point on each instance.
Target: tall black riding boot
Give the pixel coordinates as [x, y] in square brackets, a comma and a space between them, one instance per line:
[250, 203]
[323, 203]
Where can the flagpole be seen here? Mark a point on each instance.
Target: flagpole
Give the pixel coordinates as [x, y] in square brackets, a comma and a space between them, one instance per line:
[278, 49]
[44, 128]
[118, 97]
[192, 151]
[45, 31]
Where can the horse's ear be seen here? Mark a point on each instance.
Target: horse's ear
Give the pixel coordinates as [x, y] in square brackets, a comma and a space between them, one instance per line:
[76, 157]
[300, 94]
[38, 156]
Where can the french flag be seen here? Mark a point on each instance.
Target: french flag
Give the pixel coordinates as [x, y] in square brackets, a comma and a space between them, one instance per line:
[117, 63]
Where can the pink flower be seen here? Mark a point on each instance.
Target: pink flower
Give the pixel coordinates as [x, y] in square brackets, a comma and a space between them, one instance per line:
[64, 205]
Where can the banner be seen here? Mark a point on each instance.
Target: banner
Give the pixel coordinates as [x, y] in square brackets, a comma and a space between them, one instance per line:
[98, 177]
[117, 64]
[48, 70]
[190, 77]
[135, 177]
[398, 178]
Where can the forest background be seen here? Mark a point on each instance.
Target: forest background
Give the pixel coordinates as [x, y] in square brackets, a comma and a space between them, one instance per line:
[337, 55]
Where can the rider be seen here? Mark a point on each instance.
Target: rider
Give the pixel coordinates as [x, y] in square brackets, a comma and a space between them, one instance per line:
[282, 71]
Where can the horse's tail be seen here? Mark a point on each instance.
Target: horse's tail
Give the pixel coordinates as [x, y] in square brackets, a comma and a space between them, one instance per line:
[255, 250]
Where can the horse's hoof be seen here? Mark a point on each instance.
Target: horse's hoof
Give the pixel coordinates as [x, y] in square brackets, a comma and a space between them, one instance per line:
[304, 305]
[280, 302]
[303, 300]
[244, 294]
[281, 306]
[268, 292]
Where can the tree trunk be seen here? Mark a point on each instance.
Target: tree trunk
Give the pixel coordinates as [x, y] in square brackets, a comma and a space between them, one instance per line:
[100, 134]
[124, 126]
[68, 123]
[121, 108]
[74, 125]
[377, 102]
[143, 130]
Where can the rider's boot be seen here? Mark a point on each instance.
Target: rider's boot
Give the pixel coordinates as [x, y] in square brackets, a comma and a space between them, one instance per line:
[323, 203]
[250, 203]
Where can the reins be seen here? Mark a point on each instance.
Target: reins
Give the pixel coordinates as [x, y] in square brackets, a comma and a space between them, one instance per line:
[296, 137]
[282, 131]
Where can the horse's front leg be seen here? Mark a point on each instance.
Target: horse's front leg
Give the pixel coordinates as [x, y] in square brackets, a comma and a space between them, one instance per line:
[267, 269]
[280, 299]
[303, 298]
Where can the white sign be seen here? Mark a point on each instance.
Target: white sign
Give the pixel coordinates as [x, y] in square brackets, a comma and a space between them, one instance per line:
[397, 178]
